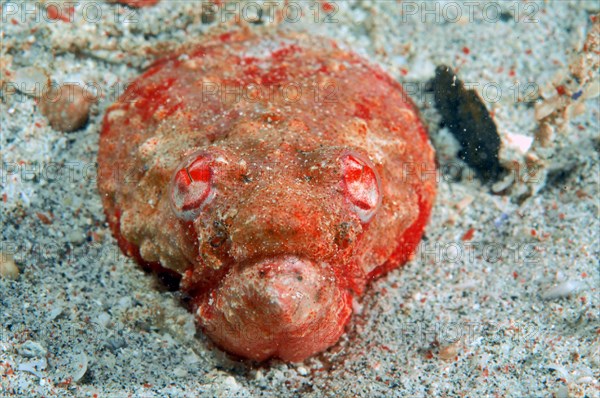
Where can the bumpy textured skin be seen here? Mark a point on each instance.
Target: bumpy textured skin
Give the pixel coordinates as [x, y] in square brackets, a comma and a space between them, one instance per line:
[274, 209]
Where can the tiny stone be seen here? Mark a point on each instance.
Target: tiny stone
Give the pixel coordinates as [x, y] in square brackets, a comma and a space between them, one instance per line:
[80, 366]
[593, 90]
[180, 372]
[66, 107]
[8, 268]
[230, 383]
[562, 392]
[30, 349]
[189, 328]
[76, 237]
[545, 108]
[125, 302]
[545, 135]
[55, 313]
[191, 358]
[278, 375]
[449, 352]
[31, 80]
[103, 319]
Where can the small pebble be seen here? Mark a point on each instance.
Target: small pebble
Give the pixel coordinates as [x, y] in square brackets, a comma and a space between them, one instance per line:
[180, 372]
[545, 108]
[103, 319]
[31, 80]
[80, 366]
[462, 204]
[562, 392]
[8, 268]
[449, 352]
[125, 302]
[191, 358]
[67, 107]
[76, 237]
[592, 91]
[545, 135]
[55, 313]
[31, 349]
[230, 383]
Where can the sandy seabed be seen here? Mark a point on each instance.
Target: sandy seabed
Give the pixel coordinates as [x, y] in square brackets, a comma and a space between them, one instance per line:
[501, 298]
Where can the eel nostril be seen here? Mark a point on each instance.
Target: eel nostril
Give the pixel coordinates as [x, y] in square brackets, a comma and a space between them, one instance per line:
[219, 237]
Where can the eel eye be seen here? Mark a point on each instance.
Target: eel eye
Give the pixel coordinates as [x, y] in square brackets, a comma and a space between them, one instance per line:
[191, 186]
[362, 186]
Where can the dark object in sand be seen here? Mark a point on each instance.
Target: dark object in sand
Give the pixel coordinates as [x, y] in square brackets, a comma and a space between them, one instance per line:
[465, 114]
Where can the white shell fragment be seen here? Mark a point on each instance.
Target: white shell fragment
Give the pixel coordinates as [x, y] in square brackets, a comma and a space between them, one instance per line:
[564, 289]
[518, 142]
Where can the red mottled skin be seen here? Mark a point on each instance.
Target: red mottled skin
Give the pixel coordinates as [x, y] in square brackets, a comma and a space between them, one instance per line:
[276, 176]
